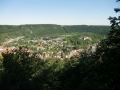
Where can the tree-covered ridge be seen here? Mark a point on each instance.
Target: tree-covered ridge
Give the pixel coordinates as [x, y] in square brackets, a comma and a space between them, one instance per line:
[91, 28]
[37, 30]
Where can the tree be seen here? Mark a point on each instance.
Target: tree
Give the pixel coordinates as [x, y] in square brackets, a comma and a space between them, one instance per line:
[19, 67]
[106, 75]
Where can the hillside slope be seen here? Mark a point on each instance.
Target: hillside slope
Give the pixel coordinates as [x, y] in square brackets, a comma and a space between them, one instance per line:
[38, 30]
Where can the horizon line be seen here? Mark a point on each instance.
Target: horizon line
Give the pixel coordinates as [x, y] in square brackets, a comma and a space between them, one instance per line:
[52, 24]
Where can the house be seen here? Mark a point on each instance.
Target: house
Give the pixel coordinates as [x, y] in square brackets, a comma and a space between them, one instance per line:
[93, 49]
[40, 48]
[4, 50]
[87, 38]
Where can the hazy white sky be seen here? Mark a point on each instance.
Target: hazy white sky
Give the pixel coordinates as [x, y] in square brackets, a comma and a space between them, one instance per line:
[62, 12]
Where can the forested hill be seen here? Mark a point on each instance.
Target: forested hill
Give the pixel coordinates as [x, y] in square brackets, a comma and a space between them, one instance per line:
[35, 30]
[85, 28]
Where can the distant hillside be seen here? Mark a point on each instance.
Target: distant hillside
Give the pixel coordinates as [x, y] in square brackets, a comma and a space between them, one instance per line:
[84, 28]
[37, 30]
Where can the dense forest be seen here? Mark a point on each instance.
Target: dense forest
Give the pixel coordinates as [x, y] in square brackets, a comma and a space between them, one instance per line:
[10, 31]
[100, 70]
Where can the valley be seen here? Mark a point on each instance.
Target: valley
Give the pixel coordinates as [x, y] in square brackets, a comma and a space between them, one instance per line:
[52, 41]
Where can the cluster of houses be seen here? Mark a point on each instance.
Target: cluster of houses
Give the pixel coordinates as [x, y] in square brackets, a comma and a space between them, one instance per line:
[46, 55]
[59, 55]
[51, 48]
[12, 40]
[4, 50]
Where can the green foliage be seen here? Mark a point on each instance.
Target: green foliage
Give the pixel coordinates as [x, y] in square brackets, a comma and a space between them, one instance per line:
[102, 30]
[18, 69]
[40, 30]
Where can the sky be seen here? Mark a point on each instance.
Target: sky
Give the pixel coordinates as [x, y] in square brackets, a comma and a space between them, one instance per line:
[61, 12]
